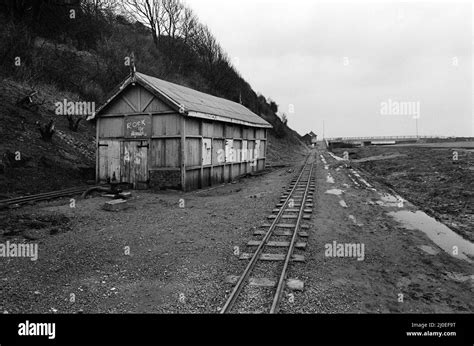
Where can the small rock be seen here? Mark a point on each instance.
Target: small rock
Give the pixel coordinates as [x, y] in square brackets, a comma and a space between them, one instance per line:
[296, 285]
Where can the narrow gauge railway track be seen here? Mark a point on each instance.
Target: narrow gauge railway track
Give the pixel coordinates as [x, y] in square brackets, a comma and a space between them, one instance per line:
[43, 196]
[295, 205]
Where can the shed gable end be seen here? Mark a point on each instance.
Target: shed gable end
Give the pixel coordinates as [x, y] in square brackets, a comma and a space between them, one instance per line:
[135, 99]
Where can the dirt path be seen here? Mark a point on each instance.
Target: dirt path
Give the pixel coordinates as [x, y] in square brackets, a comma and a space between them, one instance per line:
[159, 257]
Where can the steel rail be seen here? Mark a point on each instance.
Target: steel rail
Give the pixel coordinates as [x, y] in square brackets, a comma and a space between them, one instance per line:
[43, 196]
[240, 283]
[281, 282]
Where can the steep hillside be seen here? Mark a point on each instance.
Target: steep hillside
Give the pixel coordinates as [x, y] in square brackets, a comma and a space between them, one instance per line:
[30, 164]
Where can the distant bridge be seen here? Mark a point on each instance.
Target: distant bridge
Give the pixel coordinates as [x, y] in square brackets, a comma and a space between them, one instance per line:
[381, 138]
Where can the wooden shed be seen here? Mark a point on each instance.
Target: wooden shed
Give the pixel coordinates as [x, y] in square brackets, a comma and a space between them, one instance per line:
[310, 138]
[156, 134]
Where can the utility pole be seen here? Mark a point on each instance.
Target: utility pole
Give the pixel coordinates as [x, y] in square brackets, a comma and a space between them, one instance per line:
[133, 68]
[417, 137]
[323, 130]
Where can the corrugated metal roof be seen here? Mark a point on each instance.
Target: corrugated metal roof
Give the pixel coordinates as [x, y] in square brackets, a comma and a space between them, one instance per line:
[201, 103]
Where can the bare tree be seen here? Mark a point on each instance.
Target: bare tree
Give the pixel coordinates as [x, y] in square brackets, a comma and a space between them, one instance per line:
[208, 47]
[98, 7]
[149, 12]
[172, 15]
[189, 26]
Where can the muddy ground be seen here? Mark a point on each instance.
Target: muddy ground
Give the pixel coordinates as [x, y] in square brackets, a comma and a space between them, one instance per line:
[159, 257]
[438, 178]
[403, 271]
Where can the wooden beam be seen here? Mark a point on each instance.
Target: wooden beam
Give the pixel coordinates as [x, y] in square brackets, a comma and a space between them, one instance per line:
[140, 99]
[142, 109]
[183, 153]
[120, 115]
[175, 136]
[212, 160]
[149, 152]
[129, 103]
[97, 151]
[201, 151]
[265, 152]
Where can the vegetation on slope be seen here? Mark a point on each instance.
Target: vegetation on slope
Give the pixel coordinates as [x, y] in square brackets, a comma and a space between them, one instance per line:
[82, 49]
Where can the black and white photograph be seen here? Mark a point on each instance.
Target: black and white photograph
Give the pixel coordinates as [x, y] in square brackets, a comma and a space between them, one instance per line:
[182, 160]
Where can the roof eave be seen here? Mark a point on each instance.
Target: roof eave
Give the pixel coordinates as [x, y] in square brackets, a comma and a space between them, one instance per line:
[227, 120]
[124, 84]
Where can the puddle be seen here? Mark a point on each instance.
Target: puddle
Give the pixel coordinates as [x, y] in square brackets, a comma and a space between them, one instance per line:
[370, 187]
[336, 192]
[353, 180]
[324, 161]
[439, 233]
[429, 249]
[329, 179]
[388, 200]
[337, 158]
[362, 180]
[459, 277]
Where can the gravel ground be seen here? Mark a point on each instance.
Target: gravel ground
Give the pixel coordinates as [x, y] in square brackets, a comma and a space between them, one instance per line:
[179, 258]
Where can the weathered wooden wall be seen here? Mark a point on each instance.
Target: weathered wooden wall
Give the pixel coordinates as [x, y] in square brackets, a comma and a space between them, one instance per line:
[222, 168]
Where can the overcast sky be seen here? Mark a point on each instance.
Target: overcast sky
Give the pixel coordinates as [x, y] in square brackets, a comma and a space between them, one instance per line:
[342, 61]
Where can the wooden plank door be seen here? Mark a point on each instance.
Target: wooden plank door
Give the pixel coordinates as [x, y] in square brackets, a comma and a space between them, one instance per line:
[114, 160]
[103, 161]
[109, 160]
[135, 164]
